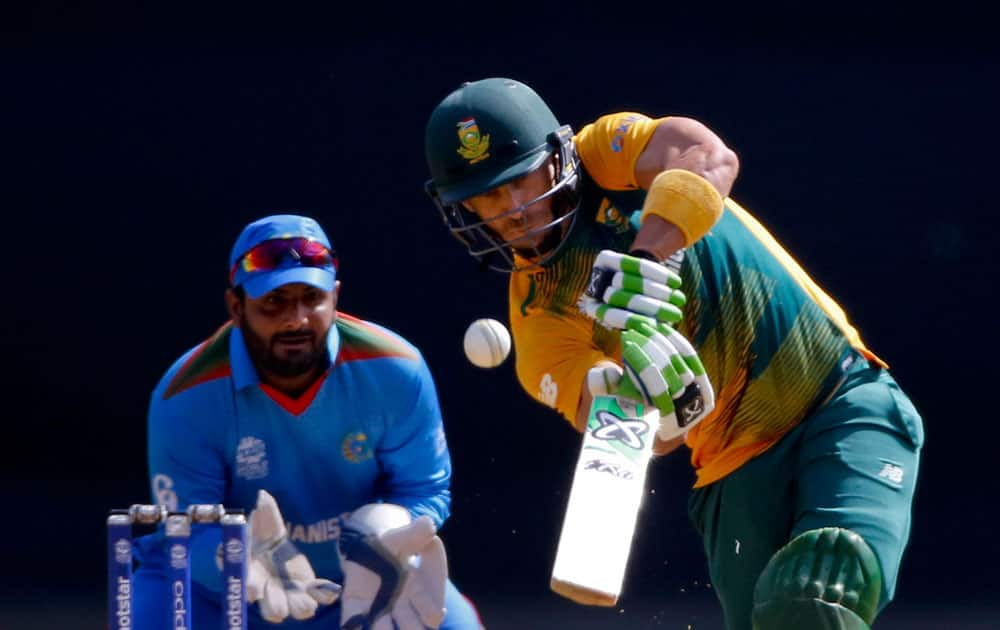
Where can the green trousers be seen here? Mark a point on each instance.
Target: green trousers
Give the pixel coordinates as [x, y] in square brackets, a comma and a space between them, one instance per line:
[852, 464]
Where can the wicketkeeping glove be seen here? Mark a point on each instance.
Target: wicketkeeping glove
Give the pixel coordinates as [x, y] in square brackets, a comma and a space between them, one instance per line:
[667, 371]
[280, 578]
[395, 570]
[621, 285]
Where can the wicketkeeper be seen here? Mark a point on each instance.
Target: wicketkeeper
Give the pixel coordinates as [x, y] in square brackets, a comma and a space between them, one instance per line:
[326, 429]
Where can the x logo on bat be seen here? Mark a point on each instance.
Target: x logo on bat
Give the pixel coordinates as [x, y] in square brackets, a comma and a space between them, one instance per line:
[615, 428]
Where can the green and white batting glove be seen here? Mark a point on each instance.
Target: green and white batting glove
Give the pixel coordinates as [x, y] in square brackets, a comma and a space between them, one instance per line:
[621, 285]
[604, 379]
[608, 379]
[668, 373]
[280, 577]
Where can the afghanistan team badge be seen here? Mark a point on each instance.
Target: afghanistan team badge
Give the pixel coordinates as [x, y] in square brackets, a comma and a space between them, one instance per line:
[474, 147]
[355, 447]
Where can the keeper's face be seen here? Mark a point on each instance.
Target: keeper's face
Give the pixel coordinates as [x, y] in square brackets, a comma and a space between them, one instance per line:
[514, 211]
[286, 329]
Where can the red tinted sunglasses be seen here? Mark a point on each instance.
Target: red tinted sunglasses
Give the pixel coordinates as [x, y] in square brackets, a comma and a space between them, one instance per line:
[284, 252]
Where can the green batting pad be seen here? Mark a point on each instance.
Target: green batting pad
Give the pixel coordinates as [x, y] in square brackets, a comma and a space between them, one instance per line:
[823, 578]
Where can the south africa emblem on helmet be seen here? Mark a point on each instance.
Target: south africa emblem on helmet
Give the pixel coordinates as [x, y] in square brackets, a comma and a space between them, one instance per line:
[355, 447]
[475, 146]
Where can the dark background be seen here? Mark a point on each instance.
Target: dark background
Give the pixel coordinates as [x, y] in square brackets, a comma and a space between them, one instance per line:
[136, 145]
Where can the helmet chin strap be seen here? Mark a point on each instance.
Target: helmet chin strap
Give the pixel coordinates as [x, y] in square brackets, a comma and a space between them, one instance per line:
[550, 241]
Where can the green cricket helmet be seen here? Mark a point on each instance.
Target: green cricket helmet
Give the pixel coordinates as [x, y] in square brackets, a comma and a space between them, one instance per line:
[483, 135]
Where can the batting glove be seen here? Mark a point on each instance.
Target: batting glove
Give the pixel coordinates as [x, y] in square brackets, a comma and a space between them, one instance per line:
[668, 373]
[280, 577]
[395, 570]
[622, 285]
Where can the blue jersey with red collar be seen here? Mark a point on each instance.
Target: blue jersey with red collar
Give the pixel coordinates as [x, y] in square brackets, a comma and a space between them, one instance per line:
[369, 429]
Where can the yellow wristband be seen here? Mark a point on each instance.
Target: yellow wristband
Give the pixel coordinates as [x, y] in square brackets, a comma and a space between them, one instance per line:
[685, 199]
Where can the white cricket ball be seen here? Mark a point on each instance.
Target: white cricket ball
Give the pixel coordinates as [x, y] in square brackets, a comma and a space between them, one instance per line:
[487, 343]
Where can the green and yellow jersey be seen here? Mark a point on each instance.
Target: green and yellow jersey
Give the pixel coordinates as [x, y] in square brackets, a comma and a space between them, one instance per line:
[773, 343]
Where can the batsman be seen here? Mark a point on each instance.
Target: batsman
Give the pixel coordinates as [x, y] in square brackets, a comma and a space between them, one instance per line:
[805, 448]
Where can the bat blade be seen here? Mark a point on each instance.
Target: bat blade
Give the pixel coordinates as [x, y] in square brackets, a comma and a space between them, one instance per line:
[608, 488]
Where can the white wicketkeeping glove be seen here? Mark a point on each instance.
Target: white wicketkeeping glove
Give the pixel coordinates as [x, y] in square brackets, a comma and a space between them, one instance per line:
[395, 570]
[280, 577]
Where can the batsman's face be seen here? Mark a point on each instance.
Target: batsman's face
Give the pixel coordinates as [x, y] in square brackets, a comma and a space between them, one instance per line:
[514, 211]
[286, 329]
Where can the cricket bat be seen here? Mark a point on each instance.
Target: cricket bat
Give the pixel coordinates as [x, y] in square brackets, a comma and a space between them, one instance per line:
[608, 487]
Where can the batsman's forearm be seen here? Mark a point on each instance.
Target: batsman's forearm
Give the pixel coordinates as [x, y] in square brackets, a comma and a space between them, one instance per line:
[658, 237]
[665, 447]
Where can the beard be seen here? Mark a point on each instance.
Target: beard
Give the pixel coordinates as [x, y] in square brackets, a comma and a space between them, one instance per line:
[296, 362]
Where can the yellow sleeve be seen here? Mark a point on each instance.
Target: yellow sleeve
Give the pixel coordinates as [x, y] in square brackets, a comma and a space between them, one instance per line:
[610, 146]
[552, 356]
